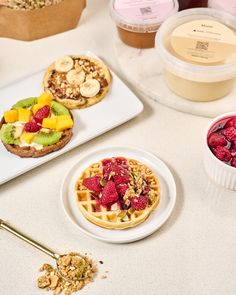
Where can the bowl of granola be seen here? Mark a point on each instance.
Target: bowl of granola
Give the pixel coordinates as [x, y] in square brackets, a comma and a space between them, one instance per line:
[30, 20]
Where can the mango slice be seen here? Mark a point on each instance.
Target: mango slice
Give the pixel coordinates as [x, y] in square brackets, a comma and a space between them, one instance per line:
[64, 122]
[37, 106]
[11, 116]
[49, 123]
[45, 98]
[24, 115]
[27, 137]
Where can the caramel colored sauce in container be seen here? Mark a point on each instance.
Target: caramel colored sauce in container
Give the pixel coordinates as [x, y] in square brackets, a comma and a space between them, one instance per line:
[137, 21]
[185, 4]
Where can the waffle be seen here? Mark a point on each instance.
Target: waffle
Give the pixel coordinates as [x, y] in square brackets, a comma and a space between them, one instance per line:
[67, 88]
[108, 218]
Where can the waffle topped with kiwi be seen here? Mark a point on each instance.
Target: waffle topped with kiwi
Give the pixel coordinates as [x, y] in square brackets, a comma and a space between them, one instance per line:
[117, 193]
[36, 126]
[77, 81]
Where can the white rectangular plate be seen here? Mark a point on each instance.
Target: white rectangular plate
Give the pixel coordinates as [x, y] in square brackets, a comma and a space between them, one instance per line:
[119, 106]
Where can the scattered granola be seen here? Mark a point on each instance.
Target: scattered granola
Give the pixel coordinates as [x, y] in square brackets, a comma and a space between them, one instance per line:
[73, 273]
[28, 4]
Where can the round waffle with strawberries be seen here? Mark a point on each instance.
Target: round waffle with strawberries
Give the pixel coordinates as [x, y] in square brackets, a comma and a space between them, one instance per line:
[36, 126]
[77, 81]
[117, 193]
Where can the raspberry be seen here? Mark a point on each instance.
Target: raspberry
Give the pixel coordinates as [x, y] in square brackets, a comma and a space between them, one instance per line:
[233, 162]
[106, 161]
[42, 113]
[222, 153]
[93, 183]
[231, 123]
[118, 173]
[121, 161]
[230, 133]
[233, 148]
[216, 139]
[122, 188]
[109, 193]
[31, 127]
[139, 203]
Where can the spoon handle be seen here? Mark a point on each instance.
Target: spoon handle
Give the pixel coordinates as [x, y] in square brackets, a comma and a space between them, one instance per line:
[15, 232]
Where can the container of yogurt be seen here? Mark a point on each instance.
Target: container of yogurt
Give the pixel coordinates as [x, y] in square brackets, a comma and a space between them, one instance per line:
[198, 50]
[226, 5]
[137, 21]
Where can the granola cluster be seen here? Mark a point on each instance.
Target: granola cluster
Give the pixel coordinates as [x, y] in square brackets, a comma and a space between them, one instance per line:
[28, 4]
[73, 273]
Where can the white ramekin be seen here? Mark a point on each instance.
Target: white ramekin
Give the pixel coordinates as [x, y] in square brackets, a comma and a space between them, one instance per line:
[221, 173]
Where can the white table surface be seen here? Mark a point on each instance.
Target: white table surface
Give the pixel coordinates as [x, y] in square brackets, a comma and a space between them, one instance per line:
[193, 253]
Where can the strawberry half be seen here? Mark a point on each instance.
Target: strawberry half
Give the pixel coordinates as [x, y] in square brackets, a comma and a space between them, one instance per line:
[109, 194]
[93, 183]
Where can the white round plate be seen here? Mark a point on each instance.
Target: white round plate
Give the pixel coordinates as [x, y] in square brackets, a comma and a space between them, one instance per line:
[153, 222]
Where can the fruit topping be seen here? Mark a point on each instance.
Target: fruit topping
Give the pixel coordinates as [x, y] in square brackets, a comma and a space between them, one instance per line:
[42, 113]
[122, 188]
[119, 174]
[7, 134]
[59, 109]
[11, 116]
[90, 88]
[25, 103]
[222, 141]
[231, 123]
[45, 98]
[27, 137]
[109, 193]
[216, 139]
[139, 203]
[93, 183]
[46, 139]
[222, 153]
[64, 64]
[49, 123]
[24, 115]
[233, 162]
[32, 127]
[76, 77]
[230, 133]
[64, 122]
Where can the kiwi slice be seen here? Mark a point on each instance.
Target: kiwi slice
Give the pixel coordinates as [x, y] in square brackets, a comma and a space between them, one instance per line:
[25, 103]
[46, 139]
[7, 134]
[59, 109]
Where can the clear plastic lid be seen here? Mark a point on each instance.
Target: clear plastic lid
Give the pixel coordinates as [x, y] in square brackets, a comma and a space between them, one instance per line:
[187, 69]
[142, 15]
[227, 5]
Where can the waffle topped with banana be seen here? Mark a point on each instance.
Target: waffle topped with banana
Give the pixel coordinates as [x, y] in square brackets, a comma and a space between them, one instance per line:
[117, 193]
[77, 81]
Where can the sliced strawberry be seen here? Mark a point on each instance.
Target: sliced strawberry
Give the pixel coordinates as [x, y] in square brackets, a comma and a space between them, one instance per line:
[139, 203]
[122, 188]
[93, 183]
[109, 194]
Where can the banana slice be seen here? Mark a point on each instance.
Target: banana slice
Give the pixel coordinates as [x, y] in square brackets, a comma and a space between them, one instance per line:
[90, 88]
[75, 77]
[64, 64]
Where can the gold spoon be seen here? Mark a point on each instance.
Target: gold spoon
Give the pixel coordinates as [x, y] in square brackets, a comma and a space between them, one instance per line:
[30, 241]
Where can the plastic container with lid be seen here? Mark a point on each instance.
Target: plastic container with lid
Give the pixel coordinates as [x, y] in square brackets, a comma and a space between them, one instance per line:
[138, 20]
[227, 5]
[198, 50]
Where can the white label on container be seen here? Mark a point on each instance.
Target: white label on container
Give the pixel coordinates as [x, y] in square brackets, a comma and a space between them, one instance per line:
[144, 9]
[204, 41]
